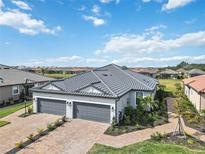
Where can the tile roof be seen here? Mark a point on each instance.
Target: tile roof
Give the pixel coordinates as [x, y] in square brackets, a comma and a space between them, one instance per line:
[169, 72]
[197, 83]
[12, 76]
[197, 71]
[145, 70]
[111, 79]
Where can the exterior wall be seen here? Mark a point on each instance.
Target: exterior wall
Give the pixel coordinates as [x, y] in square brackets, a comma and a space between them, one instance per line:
[131, 98]
[195, 98]
[202, 101]
[187, 91]
[6, 93]
[71, 98]
[121, 104]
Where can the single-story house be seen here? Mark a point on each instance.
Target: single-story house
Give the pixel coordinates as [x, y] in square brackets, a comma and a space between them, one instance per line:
[169, 74]
[99, 95]
[195, 72]
[12, 82]
[194, 89]
[152, 72]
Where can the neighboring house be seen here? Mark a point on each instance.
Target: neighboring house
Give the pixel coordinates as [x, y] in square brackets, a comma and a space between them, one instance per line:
[99, 95]
[194, 89]
[152, 72]
[182, 73]
[195, 72]
[169, 74]
[12, 81]
[77, 70]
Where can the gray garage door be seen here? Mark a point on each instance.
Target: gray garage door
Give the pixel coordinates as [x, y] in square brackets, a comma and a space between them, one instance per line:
[93, 112]
[57, 107]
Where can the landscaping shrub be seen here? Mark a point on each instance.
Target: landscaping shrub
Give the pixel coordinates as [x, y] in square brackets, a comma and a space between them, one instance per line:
[51, 126]
[30, 137]
[19, 144]
[129, 115]
[58, 122]
[190, 141]
[41, 131]
[157, 136]
[30, 110]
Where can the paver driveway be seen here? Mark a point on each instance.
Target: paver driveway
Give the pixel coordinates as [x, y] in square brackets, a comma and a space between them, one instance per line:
[21, 127]
[75, 137]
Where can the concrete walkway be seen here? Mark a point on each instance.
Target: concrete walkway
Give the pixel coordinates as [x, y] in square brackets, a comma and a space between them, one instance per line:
[141, 135]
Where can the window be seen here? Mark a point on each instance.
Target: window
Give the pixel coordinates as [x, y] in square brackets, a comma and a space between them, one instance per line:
[139, 94]
[15, 90]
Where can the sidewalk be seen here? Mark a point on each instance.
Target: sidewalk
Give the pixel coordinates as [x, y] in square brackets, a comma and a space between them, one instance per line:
[141, 135]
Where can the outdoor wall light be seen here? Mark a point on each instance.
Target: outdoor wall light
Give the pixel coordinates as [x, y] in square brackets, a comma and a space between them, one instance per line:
[69, 103]
[112, 109]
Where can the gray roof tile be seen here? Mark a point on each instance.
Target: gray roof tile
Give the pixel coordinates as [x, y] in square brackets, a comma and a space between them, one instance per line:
[111, 79]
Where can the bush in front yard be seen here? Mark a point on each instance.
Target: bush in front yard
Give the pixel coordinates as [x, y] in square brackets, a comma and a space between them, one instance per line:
[19, 144]
[129, 116]
[51, 126]
[30, 137]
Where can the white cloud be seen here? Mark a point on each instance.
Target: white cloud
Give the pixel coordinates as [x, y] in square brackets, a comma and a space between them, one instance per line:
[131, 44]
[21, 5]
[70, 60]
[63, 59]
[24, 23]
[96, 61]
[159, 60]
[96, 21]
[172, 4]
[108, 1]
[96, 9]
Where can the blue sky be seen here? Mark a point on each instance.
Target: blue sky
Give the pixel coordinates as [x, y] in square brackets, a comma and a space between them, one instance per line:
[99, 32]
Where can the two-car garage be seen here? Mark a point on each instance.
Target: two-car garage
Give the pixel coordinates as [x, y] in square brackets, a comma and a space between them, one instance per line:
[81, 110]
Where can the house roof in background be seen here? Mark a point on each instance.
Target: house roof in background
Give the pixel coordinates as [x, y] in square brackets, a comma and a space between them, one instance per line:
[112, 80]
[196, 83]
[145, 70]
[196, 71]
[12, 76]
[181, 70]
[169, 72]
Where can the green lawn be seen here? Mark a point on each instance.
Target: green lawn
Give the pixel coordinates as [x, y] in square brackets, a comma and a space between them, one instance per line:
[170, 84]
[145, 147]
[3, 123]
[10, 110]
[59, 76]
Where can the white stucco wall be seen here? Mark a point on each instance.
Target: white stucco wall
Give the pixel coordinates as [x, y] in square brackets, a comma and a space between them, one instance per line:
[202, 101]
[195, 98]
[186, 91]
[121, 104]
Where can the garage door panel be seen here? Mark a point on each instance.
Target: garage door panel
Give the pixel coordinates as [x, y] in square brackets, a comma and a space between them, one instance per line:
[93, 112]
[57, 107]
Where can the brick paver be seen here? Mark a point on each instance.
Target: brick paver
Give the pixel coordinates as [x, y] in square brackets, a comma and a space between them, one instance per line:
[21, 127]
[75, 137]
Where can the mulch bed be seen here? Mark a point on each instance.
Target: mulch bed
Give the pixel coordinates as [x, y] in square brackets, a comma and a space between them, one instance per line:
[119, 130]
[199, 127]
[188, 141]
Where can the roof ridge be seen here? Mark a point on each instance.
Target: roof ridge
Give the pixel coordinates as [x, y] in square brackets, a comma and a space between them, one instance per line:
[131, 76]
[104, 83]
